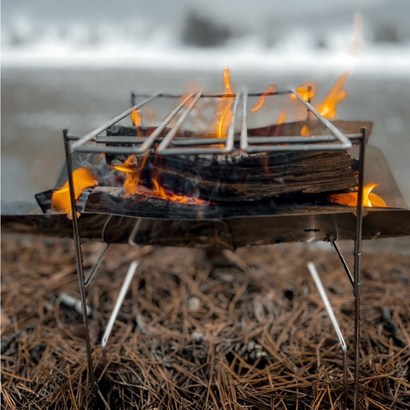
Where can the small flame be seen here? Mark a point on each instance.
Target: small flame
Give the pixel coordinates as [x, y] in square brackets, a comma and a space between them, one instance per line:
[83, 178]
[136, 117]
[132, 184]
[370, 199]
[305, 132]
[307, 91]
[261, 100]
[223, 108]
[159, 192]
[132, 173]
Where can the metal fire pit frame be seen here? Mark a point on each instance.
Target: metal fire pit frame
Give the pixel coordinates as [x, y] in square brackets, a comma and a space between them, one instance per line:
[168, 145]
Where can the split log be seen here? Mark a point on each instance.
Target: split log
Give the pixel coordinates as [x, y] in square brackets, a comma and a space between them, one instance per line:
[251, 177]
[244, 177]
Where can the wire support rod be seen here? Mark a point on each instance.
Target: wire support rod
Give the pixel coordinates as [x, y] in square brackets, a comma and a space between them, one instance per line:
[79, 259]
[357, 267]
[344, 263]
[329, 310]
[121, 296]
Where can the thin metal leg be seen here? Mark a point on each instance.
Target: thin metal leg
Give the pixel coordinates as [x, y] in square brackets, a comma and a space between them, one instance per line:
[357, 268]
[123, 291]
[332, 317]
[79, 258]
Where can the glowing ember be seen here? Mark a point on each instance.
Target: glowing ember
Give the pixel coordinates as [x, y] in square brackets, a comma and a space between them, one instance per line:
[83, 178]
[261, 100]
[369, 198]
[223, 108]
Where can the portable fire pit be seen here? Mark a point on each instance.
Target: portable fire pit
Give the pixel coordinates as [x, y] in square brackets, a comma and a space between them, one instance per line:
[242, 183]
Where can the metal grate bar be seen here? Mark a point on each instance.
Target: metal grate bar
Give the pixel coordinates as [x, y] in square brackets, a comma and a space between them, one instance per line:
[293, 138]
[233, 95]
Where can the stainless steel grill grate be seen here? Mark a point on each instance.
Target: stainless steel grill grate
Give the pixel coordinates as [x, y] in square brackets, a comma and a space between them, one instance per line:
[173, 144]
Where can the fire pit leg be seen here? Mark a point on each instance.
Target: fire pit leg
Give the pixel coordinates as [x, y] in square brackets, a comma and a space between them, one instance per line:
[79, 259]
[333, 319]
[357, 267]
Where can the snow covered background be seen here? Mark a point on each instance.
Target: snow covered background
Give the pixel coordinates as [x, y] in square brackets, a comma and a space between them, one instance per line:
[261, 34]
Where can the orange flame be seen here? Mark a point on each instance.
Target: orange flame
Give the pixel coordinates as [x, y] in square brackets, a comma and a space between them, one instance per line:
[136, 117]
[132, 173]
[336, 94]
[83, 178]
[369, 198]
[132, 184]
[261, 100]
[307, 91]
[328, 107]
[159, 192]
[223, 108]
[281, 118]
[305, 132]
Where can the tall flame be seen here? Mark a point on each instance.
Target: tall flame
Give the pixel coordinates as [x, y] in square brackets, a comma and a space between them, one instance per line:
[370, 199]
[336, 94]
[223, 108]
[83, 178]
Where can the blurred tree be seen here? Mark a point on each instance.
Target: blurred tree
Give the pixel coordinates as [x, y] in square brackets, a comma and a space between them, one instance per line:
[202, 32]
